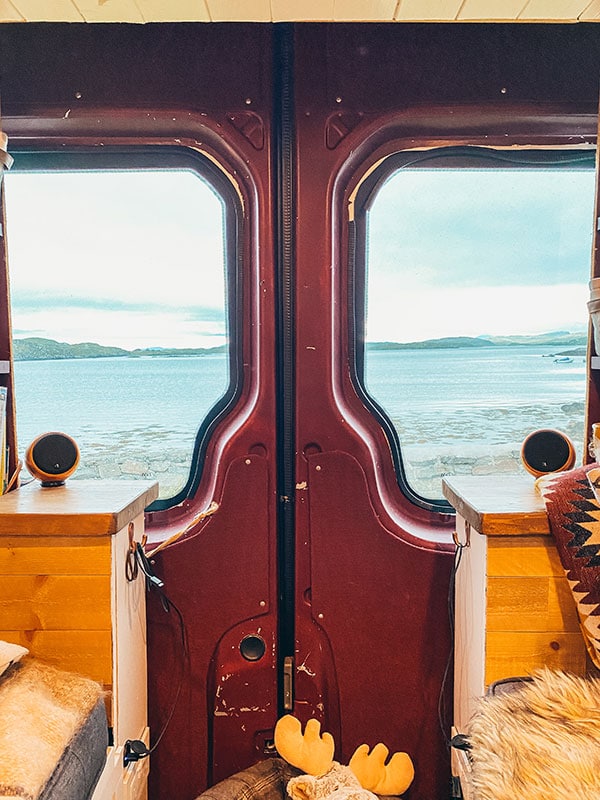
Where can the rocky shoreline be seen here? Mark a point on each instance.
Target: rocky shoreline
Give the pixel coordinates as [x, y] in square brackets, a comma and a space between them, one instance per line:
[470, 442]
[424, 469]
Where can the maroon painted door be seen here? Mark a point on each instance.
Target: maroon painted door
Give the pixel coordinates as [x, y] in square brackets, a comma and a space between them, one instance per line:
[315, 558]
[372, 569]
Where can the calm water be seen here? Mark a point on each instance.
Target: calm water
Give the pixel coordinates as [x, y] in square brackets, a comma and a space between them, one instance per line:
[483, 395]
[455, 410]
[93, 399]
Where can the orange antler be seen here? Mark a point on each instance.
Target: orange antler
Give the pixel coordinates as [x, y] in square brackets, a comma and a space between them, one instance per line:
[373, 773]
[310, 752]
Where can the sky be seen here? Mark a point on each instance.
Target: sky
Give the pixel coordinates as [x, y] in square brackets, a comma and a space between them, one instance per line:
[470, 253]
[126, 259]
[136, 259]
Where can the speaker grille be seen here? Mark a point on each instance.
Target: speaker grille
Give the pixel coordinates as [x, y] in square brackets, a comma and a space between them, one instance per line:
[546, 451]
[54, 453]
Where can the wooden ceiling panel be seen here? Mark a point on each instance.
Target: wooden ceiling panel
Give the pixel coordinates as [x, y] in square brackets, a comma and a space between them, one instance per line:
[239, 10]
[298, 10]
[427, 10]
[491, 9]
[173, 11]
[366, 10]
[312, 10]
[554, 9]
[43, 11]
[592, 12]
[8, 12]
[109, 10]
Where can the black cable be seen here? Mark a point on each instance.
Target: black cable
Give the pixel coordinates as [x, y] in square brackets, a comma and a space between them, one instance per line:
[136, 749]
[442, 710]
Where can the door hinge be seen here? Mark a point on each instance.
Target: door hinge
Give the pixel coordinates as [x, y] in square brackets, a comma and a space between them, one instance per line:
[288, 683]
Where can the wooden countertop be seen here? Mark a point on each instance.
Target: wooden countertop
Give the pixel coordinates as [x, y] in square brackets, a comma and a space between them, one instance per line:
[79, 508]
[498, 505]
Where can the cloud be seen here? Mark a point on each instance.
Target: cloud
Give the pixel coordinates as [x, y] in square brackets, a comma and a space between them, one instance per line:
[31, 302]
[409, 316]
[483, 228]
[22, 333]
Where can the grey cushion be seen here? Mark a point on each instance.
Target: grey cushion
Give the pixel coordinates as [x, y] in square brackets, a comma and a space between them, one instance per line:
[77, 772]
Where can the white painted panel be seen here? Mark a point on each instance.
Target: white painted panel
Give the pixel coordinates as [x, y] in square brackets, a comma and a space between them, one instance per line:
[311, 10]
[109, 10]
[491, 9]
[553, 9]
[428, 9]
[239, 10]
[173, 10]
[111, 776]
[364, 10]
[8, 12]
[43, 11]
[469, 621]
[129, 641]
[592, 11]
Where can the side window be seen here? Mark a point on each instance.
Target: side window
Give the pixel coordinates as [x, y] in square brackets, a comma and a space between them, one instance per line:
[119, 313]
[475, 317]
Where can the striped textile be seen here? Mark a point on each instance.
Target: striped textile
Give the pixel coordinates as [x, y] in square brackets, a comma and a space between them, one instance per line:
[574, 518]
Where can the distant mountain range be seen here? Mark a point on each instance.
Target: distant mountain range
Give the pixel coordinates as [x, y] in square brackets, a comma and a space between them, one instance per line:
[553, 339]
[37, 349]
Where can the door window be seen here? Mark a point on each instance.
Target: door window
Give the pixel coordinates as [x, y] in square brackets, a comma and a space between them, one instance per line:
[119, 309]
[475, 321]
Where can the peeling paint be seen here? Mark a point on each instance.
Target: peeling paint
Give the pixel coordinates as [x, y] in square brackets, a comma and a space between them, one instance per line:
[235, 712]
[303, 668]
[303, 485]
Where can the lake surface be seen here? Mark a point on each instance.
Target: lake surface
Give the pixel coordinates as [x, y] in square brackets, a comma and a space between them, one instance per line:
[465, 410]
[468, 411]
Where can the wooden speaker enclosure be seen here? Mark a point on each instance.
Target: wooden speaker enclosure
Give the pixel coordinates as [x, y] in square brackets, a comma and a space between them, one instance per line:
[52, 458]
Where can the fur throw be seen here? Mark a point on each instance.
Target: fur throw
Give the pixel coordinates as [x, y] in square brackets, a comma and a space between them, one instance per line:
[41, 708]
[339, 783]
[539, 742]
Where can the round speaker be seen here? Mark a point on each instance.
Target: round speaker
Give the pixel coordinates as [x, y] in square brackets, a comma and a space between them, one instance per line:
[547, 451]
[52, 457]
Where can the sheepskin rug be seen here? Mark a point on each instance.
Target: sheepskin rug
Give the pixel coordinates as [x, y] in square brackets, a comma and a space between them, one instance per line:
[41, 708]
[540, 742]
[339, 783]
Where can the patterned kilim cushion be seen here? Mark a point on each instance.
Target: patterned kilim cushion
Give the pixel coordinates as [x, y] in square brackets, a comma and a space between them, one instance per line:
[574, 518]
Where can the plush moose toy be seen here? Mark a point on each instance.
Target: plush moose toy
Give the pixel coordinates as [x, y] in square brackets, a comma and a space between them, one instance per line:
[366, 775]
